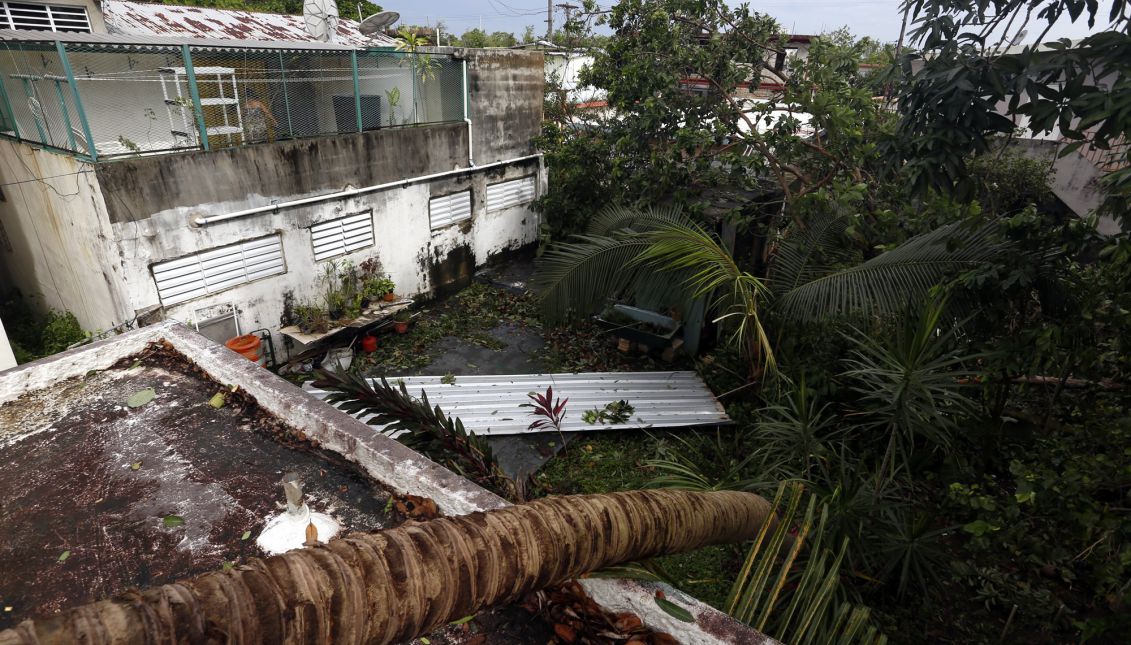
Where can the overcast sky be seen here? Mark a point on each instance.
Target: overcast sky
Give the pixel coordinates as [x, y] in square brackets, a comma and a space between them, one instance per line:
[876, 18]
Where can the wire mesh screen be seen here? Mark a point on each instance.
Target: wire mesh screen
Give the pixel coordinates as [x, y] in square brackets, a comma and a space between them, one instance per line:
[131, 101]
[38, 102]
[140, 100]
[402, 88]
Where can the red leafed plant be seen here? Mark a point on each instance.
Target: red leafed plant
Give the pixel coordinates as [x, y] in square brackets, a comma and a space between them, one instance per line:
[549, 412]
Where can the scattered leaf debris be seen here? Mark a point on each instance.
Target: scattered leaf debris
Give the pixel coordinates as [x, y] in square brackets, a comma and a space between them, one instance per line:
[141, 397]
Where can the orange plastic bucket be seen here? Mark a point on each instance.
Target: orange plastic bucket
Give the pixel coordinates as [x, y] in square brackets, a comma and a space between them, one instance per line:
[246, 345]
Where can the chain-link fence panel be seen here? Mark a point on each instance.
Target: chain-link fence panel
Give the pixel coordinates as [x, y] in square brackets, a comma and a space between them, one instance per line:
[140, 100]
[387, 86]
[320, 93]
[445, 92]
[38, 102]
[131, 99]
[240, 95]
[406, 88]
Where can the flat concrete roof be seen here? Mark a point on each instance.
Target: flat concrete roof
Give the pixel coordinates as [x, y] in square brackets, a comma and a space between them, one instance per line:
[384, 459]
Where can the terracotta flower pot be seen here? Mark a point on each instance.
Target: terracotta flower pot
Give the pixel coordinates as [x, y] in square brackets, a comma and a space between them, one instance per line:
[401, 327]
[389, 297]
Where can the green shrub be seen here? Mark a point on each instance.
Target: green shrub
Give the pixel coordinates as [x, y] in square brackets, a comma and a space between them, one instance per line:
[60, 331]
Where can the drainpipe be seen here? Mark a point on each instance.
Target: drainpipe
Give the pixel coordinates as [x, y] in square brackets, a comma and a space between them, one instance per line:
[467, 118]
[351, 192]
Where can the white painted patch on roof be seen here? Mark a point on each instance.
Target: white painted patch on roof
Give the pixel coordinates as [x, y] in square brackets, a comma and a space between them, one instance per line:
[491, 405]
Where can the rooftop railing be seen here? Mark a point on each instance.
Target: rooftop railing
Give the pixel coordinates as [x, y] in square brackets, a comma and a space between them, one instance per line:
[101, 101]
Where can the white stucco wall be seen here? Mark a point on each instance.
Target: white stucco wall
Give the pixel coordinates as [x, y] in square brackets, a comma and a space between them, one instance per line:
[57, 250]
[403, 243]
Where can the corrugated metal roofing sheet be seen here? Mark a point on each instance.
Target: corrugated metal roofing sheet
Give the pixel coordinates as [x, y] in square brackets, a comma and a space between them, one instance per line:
[490, 405]
[139, 19]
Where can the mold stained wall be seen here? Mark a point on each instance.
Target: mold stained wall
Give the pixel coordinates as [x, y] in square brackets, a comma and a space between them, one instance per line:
[404, 243]
[56, 243]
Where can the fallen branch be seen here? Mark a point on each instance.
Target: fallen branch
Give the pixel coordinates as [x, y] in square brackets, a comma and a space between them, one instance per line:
[1105, 384]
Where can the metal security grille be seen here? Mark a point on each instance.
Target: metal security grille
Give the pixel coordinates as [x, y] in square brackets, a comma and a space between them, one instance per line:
[43, 17]
[510, 193]
[449, 209]
[343, 235]
[219, 269]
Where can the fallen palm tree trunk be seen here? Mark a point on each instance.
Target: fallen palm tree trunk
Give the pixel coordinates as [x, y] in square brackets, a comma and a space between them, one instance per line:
[392, 585]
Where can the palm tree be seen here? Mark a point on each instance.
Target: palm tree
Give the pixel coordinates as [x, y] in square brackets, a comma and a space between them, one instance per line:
[390, 586]
[651, 252]
[646, 251]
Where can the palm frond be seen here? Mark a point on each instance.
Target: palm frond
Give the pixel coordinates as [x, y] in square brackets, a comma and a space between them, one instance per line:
[427, 428]
[573, 278]
[806, 252]
[616, 217]
[788, 585]
[627, 249]
[891, 280]
[711, 269]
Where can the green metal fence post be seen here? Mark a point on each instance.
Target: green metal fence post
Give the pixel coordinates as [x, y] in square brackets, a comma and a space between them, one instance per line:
[29, 92]
[356, 90]
[8, 107]
[66, 112]
[286, 97]
[194, 94]
[415, 109]
[91, 149]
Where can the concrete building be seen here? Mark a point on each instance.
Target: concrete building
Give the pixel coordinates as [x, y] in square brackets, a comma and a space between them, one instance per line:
[188, 177]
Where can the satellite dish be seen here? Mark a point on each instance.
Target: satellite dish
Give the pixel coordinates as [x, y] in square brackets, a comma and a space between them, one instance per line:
[377, 22]
[321, 18]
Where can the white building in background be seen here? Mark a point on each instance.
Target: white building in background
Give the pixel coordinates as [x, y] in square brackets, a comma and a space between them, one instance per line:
[127, 192]
[7, 358]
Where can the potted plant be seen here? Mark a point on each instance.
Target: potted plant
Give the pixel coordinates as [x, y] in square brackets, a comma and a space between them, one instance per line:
[400, 321]
[310, 319]
[386, 287]
[380, 288]
[335, 305]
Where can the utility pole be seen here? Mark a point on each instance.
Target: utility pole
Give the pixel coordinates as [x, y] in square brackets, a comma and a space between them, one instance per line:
[550, 20]
[568, 8]
[902, 33]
